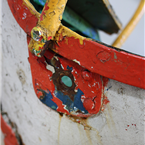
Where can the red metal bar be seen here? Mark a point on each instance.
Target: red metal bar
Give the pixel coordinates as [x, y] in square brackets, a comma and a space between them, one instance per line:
[99, 58]
[25, 15]
[106, 61]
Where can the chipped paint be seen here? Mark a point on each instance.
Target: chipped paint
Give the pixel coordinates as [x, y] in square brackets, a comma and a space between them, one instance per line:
[52, 13]
[76, 61]
[31, 8]
[99, 58]
[64, 32]
[57, 95]
[10, 138]
[96, 58]
[21, 8]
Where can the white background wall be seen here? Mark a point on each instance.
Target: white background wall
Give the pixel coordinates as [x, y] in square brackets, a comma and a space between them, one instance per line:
[124, 10]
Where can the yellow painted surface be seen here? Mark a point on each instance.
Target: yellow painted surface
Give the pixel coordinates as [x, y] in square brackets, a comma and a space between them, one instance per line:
[130, 26]
[50, 24]
[51, 16]
[64, 31]
[35, 44]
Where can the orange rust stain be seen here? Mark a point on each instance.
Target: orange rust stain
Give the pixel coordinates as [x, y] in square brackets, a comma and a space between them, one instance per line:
[110, 121]
[88, 134]
[98, 138]
[82, 121]
[59, 128]
[80, 131]
[87, 129]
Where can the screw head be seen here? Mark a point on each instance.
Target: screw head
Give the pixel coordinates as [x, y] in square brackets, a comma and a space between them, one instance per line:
[37, 33]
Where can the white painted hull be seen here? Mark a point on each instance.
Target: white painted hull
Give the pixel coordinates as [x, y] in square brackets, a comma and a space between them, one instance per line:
[121, 123]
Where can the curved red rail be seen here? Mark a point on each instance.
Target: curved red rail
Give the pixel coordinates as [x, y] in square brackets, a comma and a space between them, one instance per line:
[99, 58]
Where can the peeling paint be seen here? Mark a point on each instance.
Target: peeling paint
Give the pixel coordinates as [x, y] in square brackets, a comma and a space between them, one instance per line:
[62, 98]
[65, 32]
[10, 131]
[52, 13]
[96, 58]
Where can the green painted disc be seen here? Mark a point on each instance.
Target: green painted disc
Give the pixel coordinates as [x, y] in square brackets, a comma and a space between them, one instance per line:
[67, 81]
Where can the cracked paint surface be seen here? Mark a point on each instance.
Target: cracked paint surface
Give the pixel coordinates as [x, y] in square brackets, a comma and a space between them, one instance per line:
[19, 100]
[9, 135]
[70, 45]
[86, 86]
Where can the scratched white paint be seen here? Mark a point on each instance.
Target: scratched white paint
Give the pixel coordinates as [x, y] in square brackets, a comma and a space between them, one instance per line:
[121, 123]
[1, 138]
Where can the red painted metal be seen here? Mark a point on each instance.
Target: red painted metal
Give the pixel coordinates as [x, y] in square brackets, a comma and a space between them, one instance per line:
[9, 136]
[26, 19]
[90, 83]
[109, 62]
[99, 58]
[94, 59]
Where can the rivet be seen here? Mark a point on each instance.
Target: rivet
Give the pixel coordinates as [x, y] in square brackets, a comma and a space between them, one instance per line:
[86, 75]
[88, 104]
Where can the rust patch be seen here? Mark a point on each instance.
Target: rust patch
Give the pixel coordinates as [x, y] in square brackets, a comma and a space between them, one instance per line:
[56, 77]
[88, 134]
[59, 127]
[82, 121]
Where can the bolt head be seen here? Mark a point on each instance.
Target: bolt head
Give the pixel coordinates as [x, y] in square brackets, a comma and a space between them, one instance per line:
[36, 33]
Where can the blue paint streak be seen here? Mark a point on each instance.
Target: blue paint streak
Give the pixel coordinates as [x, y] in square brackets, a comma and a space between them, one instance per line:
[69, 68]
[91, 33]
[47, 100]
[70, 105]
[78, 103]
[64, 98]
